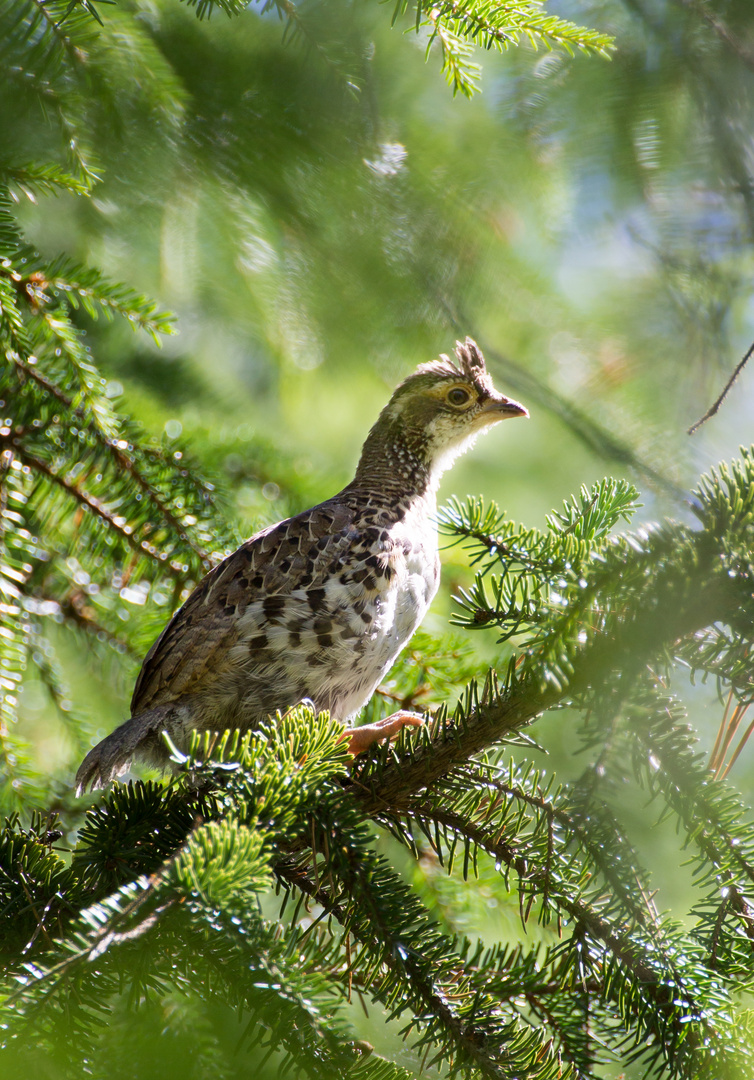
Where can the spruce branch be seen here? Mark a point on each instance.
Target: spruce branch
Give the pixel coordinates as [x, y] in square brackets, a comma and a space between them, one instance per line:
[205, 8]
[536, 879]
[90, 503]
[52, 14]
[87, 287]
[469, 1042]
[34, 177]
[495, 24]
[489, 794]
[124, 461]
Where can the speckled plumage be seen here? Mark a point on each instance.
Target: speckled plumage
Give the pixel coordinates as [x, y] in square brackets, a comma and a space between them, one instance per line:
[317, 606]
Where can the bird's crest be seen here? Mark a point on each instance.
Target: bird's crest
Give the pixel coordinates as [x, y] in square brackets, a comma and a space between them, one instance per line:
[470, 357]
[470, 366]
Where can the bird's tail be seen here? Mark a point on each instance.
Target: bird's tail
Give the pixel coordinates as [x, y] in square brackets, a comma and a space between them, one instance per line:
[141, 737]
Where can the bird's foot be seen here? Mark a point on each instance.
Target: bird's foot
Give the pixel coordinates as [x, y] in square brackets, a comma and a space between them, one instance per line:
[361, 738]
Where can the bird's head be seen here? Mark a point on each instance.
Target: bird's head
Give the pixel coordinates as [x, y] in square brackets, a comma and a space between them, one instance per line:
[437, 413]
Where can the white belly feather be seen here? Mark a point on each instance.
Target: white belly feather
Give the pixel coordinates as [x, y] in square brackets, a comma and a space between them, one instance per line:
[396, 614]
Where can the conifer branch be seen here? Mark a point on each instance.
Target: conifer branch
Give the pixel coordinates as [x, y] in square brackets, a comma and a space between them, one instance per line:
[34, 177]
[532, 876]
[90, 503]
[495, 24]
[670, 606]
[122, 460]
[376, 934]
[600, 841]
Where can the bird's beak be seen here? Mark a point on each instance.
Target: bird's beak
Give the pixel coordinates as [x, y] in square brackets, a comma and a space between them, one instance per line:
[500, 408]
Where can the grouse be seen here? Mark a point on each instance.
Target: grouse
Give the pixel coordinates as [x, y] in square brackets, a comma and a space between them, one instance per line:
[317, 606]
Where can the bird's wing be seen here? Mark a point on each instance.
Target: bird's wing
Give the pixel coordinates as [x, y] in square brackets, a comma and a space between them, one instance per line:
[195, 646]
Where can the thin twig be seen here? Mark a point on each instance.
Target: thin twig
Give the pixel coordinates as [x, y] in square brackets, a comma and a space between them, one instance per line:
[744, 739]
[717, 756]
[721, 30]
[716, 405]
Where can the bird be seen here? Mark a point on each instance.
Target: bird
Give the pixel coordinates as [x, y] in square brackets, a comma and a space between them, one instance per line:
[316, 607]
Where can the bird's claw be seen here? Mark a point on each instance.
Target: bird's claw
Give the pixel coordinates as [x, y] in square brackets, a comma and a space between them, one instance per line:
[361, 738]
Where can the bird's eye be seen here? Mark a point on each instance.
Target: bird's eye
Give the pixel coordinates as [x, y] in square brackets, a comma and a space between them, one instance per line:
[458, 396]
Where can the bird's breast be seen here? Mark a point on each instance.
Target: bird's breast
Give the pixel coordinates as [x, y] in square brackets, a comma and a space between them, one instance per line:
[415, 578]
[334, 641]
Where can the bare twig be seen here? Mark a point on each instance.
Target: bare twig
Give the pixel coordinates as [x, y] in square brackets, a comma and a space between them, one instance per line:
[716, 404]
[720, 28]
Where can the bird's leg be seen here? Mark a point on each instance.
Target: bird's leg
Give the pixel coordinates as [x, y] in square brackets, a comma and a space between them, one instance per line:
[361, 738]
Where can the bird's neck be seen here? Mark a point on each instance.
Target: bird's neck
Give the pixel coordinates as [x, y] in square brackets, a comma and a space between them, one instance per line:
[395, 464]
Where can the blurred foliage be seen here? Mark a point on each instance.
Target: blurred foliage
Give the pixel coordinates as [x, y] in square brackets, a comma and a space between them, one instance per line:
[302, 190]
